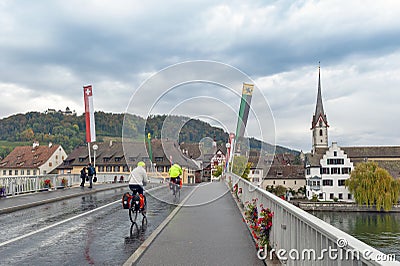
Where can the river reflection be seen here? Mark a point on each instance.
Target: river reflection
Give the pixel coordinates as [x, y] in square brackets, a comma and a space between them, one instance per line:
[379, 230]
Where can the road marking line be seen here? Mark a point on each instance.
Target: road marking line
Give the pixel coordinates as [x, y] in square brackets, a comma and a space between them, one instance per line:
[61, 222]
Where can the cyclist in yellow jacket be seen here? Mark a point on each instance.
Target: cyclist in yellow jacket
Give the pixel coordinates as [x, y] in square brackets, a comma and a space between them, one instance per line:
[175, 173]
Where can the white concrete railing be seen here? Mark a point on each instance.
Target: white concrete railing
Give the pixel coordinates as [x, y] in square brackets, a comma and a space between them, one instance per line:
[298, 237]
[14, 185]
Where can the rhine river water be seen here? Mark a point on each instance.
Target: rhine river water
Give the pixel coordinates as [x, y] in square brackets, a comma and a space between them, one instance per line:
[379, 230]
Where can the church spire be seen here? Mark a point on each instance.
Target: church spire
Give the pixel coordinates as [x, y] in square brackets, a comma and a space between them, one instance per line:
[319, 108]
[319, 124]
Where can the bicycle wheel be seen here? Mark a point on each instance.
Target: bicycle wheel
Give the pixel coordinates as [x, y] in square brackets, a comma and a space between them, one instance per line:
[178, 191]
[174, 189]
[133, 215]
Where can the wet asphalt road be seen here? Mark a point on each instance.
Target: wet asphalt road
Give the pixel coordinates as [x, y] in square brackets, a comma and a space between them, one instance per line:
[102, 237]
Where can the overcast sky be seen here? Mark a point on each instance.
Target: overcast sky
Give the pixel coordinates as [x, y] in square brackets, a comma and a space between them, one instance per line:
[50, 49]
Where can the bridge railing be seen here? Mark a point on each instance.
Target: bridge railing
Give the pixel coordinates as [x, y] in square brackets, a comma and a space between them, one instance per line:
[14, 185]
[299, 238]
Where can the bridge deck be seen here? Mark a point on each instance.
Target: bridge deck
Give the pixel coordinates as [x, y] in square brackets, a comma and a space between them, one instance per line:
[207, 230]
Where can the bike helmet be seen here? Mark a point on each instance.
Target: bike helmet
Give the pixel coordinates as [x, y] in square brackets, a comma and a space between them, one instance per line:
[141, 164]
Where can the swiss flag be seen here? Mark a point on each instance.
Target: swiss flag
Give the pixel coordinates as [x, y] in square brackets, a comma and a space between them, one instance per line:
[89, 114]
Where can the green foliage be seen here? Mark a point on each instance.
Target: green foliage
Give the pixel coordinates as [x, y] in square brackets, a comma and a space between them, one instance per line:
[69, 130]
[218, 172]
[302, 191]
[372, 185]
[239, 164]
[314, 198]
[280, 190]
[246, 172]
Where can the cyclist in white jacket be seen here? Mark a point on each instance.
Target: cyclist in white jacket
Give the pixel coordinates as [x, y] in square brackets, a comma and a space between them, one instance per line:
[136, 178]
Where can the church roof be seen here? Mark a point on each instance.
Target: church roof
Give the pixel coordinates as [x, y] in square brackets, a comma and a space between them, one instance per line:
[319, 108]
[387, 157]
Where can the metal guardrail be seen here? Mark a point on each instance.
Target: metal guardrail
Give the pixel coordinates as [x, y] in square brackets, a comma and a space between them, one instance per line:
[14, 185]
[299, 238]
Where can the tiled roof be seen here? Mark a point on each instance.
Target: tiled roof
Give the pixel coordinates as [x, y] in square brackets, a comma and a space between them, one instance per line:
[372, 152]
[28, 157]
[168, 149]
[286, 172]
[195, 151]
[113, 154]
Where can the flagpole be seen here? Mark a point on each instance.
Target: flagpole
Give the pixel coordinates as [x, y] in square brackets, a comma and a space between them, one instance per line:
[90, 157]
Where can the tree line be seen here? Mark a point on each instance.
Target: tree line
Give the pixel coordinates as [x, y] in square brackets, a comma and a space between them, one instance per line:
[69, 130]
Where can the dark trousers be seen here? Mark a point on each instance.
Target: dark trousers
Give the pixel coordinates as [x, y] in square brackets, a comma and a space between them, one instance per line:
[90, 180]
[83, 181]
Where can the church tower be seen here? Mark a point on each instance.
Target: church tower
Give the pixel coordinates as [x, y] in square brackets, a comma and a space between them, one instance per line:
[319, 124]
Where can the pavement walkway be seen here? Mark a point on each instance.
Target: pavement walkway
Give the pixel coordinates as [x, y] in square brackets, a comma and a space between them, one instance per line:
[28, 200]
[207, 230]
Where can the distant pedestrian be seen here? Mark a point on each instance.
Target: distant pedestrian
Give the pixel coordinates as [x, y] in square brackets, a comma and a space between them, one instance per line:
[91, 173]
[83, 176]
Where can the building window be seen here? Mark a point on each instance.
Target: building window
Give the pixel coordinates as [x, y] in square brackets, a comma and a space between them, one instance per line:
[126, 168]
[284, 182]
[308, 171]
[56, 157]
[9, 172]
[335, 161]
[335, 170]
[16, 172]
[108, 168]
[131, 159]
[117, 159]
[346, 170]
[158, 159]
[273, 182]
[327, 182]
[321, 196]
[340, 195]
[101, 168]
[4, 172]
[295, 182]
[81, 160]
[50, 164]
[28, 172]
[341, 182]
[349, 196]
[106, 160]
[324, 170]
[160, 169]
[331, 196]
[116, 168]
[34, 172]
[22, 172]
[320, 132]
[335, 153]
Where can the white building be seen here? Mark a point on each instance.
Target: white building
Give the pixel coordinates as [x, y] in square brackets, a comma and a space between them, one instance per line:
[32, 160]
[326, 178]
[327, 168]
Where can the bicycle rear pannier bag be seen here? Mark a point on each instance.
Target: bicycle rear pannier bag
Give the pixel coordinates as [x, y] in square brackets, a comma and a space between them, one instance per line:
[126, 200]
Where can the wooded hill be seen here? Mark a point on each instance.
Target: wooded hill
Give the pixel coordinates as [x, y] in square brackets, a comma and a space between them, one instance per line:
[69, 130]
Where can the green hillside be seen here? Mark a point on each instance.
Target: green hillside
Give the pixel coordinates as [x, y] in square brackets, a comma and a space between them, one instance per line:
[69, 130]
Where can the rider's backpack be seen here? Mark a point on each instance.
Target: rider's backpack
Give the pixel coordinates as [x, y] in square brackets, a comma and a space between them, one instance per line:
[126, 200]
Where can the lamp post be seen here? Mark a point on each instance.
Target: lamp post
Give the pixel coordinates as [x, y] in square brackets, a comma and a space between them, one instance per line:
[95, 147]
[228, 147]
